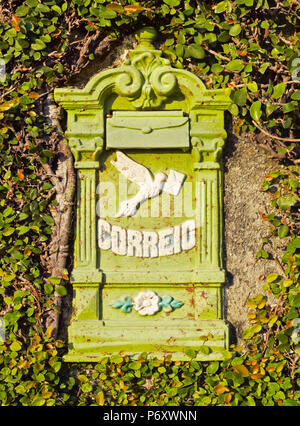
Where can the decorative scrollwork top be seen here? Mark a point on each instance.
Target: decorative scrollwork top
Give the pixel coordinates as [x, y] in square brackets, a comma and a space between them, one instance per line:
[129, 82]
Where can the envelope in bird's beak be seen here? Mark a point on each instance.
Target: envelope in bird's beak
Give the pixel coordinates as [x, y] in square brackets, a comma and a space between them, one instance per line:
[174, 182]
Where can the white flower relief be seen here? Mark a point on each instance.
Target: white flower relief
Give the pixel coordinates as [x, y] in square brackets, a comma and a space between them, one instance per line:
[146, 303]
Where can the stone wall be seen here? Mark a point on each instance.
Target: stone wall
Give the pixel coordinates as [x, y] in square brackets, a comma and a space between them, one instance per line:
[245, 166]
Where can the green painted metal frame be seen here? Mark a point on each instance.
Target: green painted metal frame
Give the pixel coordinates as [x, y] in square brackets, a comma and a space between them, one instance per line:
[147, 82]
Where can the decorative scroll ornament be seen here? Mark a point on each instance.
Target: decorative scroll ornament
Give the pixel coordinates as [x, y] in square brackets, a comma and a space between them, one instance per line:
[147, 303]
[147, 76]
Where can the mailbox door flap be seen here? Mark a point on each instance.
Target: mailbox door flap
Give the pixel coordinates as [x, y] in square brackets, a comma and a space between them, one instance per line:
[147, 129]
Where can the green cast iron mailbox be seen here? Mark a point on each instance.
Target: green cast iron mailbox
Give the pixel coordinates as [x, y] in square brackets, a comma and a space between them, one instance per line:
[147, 139]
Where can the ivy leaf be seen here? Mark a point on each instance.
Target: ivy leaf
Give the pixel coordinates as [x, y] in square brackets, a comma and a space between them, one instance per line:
[283, 231]
[38, 45]
[278, 90]
[172, 2]
[240, 97]
[296, 301]
[15, 346]
[61, 290]
[195, 51]
[48, 288]
[252, 85]
[117, 304]
[235, 65]
[271, 277]
[222, 6]
[204, 349]
[190, 353]
[38, 401]
[235, 30]
[135, 365]
[296, 95]
[286, 202]
[133, 9]
[54, 280]
[213, 367]
[221, 388]
[255, 110]
[100, 398]
[242, 370]
[115, 7]
[166, 300]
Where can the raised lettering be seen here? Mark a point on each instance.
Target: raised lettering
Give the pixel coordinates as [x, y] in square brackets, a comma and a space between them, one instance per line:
[104, 240]
[118, 240]
[166, 242]
[134, 243]
[188, 234]
[150, 244]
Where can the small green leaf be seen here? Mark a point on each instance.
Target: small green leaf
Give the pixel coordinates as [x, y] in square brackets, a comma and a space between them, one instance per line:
[296, 301]
[38, 45]
[233, 109]
[172, 2]
[255, 110]
[54, 280]
[235, 65]
[87, 387]
[296, 95]
[271, 277]
[196, 51]
[204, 349]
[8, 231]
[23, 229]
[283, 231]
[286, 202]
[217, 68]
[240, 97]
[48, 288]
[49, 220]
[278, 90]
[57, 366]
[32, 3]
[15, 346]
[61, 290]
[252, 85]
[190, 353]
[82, 378]
[38, 401]
[235, 30]
[221, 7]
[213, 367]
[135, 365]
[290, 403]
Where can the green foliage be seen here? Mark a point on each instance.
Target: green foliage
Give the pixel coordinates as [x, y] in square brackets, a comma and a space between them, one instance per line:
[251, 47]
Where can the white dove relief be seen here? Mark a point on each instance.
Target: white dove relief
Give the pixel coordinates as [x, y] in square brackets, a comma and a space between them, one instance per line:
[149, 186]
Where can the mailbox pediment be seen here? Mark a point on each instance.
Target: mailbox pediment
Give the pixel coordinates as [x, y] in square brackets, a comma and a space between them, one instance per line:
[148, 276]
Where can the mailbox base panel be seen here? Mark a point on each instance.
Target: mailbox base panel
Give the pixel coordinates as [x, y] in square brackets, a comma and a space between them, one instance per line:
[94, 340]
[108, 322]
